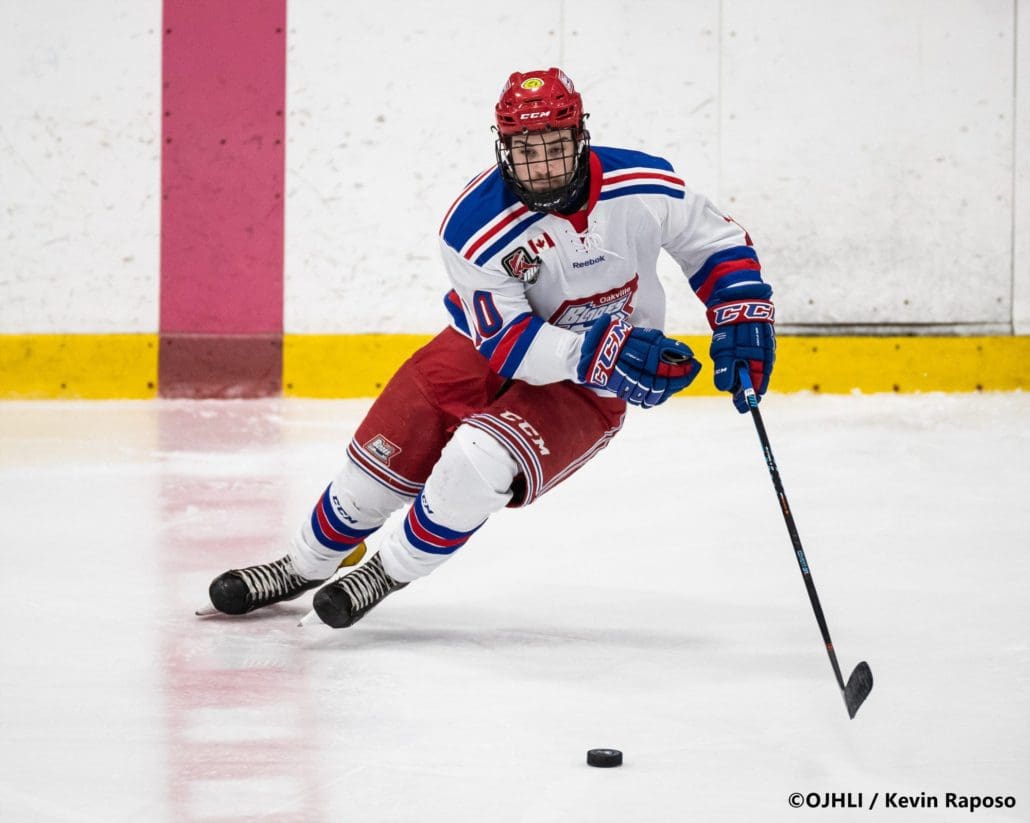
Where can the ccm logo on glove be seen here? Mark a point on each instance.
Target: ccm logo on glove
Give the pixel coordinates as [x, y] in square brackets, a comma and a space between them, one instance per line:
[641, 366]
[743, 311]
[608, 352]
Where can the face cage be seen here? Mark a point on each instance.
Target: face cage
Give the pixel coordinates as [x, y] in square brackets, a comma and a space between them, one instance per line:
[564, 195]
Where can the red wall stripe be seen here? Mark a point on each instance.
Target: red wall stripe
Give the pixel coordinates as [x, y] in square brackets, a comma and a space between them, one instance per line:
[222, 169]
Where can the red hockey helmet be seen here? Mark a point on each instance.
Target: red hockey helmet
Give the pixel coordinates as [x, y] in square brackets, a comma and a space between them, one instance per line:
[538, 100]
[533, 104]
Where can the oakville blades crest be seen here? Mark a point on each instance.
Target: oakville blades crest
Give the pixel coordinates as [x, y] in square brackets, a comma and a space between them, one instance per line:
[577, 314]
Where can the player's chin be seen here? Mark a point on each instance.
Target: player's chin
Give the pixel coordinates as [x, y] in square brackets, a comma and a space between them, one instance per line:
[546, 186]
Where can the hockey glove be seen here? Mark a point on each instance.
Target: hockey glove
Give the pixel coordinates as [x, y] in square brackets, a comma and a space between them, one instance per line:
[642, 366]
[742, 332]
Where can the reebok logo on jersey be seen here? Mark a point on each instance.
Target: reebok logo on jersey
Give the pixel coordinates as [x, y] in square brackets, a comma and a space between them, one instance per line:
[593, 261]
[382, 449]
[577, 314]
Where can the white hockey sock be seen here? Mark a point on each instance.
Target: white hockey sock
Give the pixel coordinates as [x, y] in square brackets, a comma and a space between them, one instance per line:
[471, 480]
[351, 508]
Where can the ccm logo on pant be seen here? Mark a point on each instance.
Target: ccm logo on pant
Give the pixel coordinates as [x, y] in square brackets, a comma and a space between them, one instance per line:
[523, 425]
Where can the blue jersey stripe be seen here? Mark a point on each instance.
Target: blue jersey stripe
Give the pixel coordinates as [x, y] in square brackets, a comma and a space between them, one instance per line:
[491, 197]
[645, 188]
[480, 206]
[615, 159]
[488, 346]
[518, 351]
[508, 236]
[731, 279]
[736, 253]
[458, 316]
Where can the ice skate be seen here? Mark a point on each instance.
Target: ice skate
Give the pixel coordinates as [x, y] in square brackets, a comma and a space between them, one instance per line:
[239, 591]
[345, 601]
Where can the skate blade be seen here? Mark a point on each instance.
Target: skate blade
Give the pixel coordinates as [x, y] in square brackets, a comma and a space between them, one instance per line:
[206, 611]
[308, 619]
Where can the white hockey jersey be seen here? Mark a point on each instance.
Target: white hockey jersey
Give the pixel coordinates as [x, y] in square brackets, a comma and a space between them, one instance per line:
[527, 285]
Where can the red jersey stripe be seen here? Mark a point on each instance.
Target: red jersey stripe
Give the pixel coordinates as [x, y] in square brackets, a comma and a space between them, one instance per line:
[641, 175]
[722, 269]
[507, 343]
[515, 215]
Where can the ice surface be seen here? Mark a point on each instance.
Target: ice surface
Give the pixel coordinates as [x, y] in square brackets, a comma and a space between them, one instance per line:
[650, 604]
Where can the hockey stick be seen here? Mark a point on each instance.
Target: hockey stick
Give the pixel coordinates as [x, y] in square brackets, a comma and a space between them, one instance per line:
[857, 689]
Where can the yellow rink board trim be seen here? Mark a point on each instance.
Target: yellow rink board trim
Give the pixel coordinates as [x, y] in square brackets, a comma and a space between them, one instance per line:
[360, 365]
[96, 366]
[344, 365]
[838, 365]
[78, 366]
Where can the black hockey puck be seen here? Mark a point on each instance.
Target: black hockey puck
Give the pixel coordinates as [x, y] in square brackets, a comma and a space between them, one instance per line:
[604, 758]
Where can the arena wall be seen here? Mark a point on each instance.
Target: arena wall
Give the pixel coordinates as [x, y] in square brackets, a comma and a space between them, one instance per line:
[242, 198]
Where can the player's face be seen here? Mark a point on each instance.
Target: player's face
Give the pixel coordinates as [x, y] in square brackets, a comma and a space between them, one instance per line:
[544, 160]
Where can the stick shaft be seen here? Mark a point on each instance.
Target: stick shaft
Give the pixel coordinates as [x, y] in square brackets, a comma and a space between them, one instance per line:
[788, 518]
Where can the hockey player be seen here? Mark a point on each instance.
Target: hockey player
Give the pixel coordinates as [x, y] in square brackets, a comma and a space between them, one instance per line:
[556, 310]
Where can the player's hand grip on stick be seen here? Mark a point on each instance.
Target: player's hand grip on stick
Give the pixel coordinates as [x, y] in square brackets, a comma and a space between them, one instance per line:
[742, 331]
[857, 689]
[642, 366]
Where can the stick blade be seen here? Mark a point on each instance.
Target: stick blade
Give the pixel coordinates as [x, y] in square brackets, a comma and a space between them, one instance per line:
[859, 685]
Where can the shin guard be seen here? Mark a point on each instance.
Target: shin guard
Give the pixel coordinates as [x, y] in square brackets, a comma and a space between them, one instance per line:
[471, 480]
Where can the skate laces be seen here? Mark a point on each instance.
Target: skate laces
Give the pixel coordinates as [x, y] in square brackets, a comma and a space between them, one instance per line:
[272, 579]
[367, 585]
